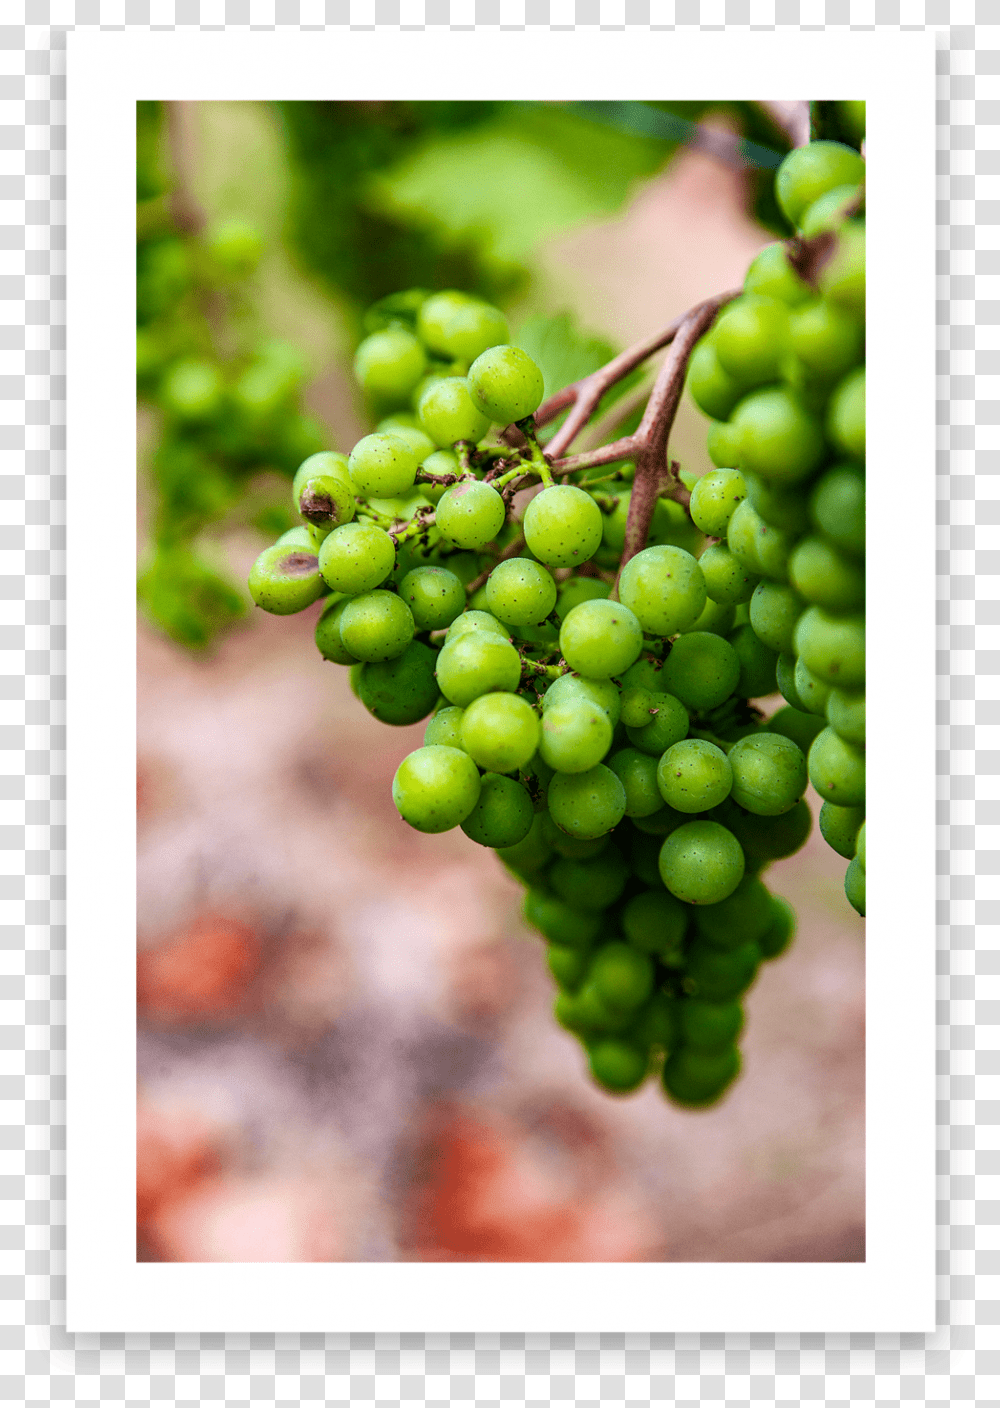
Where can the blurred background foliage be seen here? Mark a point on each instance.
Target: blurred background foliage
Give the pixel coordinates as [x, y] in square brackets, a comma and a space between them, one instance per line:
[264, 231]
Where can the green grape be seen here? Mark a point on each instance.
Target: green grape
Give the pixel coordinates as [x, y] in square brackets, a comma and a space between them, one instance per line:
[471, 514]
[325, 501]
[191, 389]
[837, 508]
[622, 976]
[660, 824]
[812, 691]
[298, 537]
[560, 922]
[434, 595]
[235, 247]
[572, 846]
[671, 525]
[388, 364]
[709, 1026]
[715, 619]
[503, 814]
[771, 273]
[842, 278]
[376, 625]
[779, 505]
[701, 862]
[594, 883]
[435, 788]
[576, 735]
[637, 774]
[712, 389]
[668, 726]
[587, 804]
[460, 327]
[655, 1024]
[809, 172]
[665, 588]
[769, 773]
[448, 413]
[407, 428]
[578, 589]
[655, 922]
[715, 498]
[824, 577]
[831, 209]
[603, 693]
[328, 639]
[846, 715]
[506, 384]
[698, 1078]
[845, 419]
[520, 592]
[750, 338]
[382, 466]
[796, 724]
[785, 671]
[694, 776]
[727, 581]
[837, 770]
[767, 838]
[779, 439]
[742, 534]
[861, 845]
[325, 464]
[722, 444]
[440, 462]
[567, 965]
[563, 526]
[445, 727]
[356, 558]
[500, 732]
[618, 1065]
[478, 662]
[827, 340]
[839, 827]
[597, 1017]
[601, 639]
[400, 691]
[758, 664]
[531, 855]
[854, 885]
[637, 707]
[475, 621]
[284, 580]
[777, 939]
[832, 647]
[774, 610]
[719, 976]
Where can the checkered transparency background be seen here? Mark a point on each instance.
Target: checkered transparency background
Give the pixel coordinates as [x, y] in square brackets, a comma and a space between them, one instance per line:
[39, 1362]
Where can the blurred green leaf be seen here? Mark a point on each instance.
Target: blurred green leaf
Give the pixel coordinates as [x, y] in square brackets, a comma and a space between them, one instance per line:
[186, 598]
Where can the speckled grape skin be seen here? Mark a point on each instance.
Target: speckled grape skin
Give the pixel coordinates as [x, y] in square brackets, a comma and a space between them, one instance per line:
[563, 526]
[284, 580]
[435, 788]
[520, 592]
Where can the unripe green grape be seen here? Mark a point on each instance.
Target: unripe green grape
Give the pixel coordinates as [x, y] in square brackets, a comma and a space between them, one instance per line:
[326, 502]
[774, 610]
[846, 715]
[826, 339]
[637, 773]
[618, 1065]
[478, 662]
[831, 209]
[603, 693]
[837, 770]
[779, 505]
[563, 526]
[407, 427]
[235, 246]
[389, 363]
[356, 557]
[475, 621]
[837, 508]
[284, 580]
[714, 499]
[500, 731]
[298, 537]
[723, 444]
[785, 671]
[439, 462]
[520, 592]
[712, 388]
[434, 595]
[709, 1026]
[825, 577]
[567, 965]
[325, 464]
[701, 670]
[446, 727]
[623, 976]
[667, 726]
[577, 589]
[812, 692]
[594, 883]
[701, 862]
[529, 856]
[854, 885]
[741, 536]
[435, 788]
[587, 804]
[719, 976]
[750, 338]
[448, 413]
[459, 327]
[596, 1018]
[842, 278]
[862, 846]
[574, 847]
[506, 384]
[771, 273]
[503, 813]
[715, 619]
[832, 647]
[400, 691]
[769, 773]
[655, 1024]
[560, 922]
[665, 588]
[768, 838]
[727, 580]
[694, 776]
[671, 525]
[328, 639]
[576, 734]
[778, 937]
[758, 664]
[840, 827]
[191, 389]
[601, 639]
[637, 707]
[471, 514]
[376, 625]
[779, 439]
[810, 171]
[655, 922]
[382, 465]
[659, 825]
[798, 725]
[845, 419]
[696, 1079]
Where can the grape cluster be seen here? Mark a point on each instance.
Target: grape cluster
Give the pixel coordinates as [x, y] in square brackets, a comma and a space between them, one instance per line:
[603, 744]
[782, 375]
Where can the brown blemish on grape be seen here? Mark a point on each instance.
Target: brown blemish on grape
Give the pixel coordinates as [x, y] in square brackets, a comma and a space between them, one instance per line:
[316, 506]
[299, 564]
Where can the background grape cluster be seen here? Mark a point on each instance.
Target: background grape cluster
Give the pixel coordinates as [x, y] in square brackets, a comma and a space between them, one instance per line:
[595, 727]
